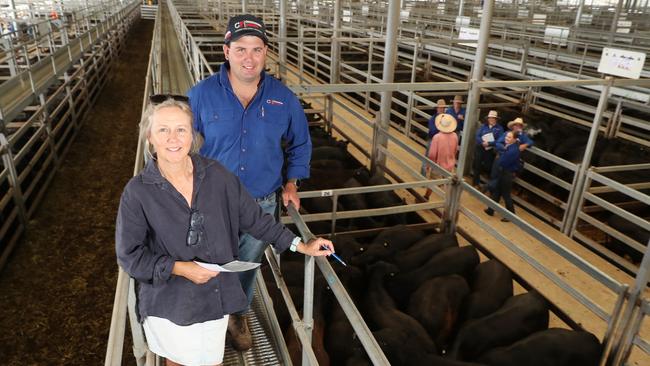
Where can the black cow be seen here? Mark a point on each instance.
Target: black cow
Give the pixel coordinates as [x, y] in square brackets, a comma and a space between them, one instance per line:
[519, 317]
[449, 261]
[435, 304]
[551, 347]
[423, 250]
[491, 286]
[389, 242]
[382, 311]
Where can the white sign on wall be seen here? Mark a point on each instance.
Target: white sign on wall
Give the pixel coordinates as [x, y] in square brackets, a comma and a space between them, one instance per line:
[623, 63]
[469, 33]
[404, 15]
[522, 13]
[556, 35]
[539, 19]
[365, 10]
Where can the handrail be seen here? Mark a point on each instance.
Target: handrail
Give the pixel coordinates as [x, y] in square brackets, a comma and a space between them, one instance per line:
[117, 330]
[356, 320]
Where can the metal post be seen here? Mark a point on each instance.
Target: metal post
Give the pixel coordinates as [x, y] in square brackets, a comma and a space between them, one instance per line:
[460, 8]
[336, 47]
[452, 201]
[614, 27]
[390, 59]
[8, 161]
[621, 350]
[308, 305]
[409, 108]
[283, 35]
[244, 9]
[572, 208]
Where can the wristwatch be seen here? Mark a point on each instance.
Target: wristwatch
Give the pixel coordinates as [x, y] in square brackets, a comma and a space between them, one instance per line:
[294, 244]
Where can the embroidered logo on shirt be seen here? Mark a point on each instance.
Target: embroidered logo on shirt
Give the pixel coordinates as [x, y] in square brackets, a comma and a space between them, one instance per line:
[274, 102]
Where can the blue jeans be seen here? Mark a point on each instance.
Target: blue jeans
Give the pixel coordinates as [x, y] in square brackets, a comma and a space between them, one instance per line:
[252, 250]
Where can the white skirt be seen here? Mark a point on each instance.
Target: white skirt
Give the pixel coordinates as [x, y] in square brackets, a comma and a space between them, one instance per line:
[196, 344]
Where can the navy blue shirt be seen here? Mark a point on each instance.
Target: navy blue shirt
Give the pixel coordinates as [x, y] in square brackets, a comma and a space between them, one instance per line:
[509, 158]
[460, 122]
[150, 235]
[432, 125]
[523, 139]
[248, 141]
[496, 130]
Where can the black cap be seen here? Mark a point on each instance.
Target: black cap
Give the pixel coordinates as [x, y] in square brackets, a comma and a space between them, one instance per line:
[245, 25]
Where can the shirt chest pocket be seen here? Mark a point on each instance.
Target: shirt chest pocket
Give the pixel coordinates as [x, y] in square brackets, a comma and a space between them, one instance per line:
[274, 115]
[218, 116]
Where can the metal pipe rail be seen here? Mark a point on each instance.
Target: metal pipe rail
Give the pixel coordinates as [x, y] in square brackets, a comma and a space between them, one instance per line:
[362, 331]
[33, 148]
[24, 88]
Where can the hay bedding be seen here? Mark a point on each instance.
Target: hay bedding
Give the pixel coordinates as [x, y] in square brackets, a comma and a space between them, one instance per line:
[57, 290]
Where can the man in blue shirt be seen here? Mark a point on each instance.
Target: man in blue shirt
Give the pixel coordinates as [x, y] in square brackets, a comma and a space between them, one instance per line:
[458, 112]
[440, 109]
[505, 168]
[486, 137]
[245, 116]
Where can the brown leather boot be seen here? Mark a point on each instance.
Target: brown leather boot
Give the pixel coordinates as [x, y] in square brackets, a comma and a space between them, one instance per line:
[240, 335]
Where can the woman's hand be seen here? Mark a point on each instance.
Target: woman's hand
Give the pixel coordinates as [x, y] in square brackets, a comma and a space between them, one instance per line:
[315, 247]
[193, 272]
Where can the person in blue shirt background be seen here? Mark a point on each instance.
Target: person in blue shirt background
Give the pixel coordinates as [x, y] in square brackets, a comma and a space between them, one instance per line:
[486, 137]
[458, 112]
[440, 109]
[245, 115]
[507, 165]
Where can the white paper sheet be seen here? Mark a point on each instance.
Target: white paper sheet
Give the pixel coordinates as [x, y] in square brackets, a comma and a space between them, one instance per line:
[488, 137]
[234, 266]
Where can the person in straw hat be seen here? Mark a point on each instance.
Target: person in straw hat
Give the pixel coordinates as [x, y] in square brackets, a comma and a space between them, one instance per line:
[517, 125]
[440, 109]
[444, 146]
[458, 112]
[486, 137]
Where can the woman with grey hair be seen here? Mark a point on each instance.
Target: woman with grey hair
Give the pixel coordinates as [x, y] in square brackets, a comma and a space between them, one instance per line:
[183, 209]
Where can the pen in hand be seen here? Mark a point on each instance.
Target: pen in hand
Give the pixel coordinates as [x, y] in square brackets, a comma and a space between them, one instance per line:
[334, 255]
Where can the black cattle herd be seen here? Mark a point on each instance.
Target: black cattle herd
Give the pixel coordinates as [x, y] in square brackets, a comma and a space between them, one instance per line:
[427, 299]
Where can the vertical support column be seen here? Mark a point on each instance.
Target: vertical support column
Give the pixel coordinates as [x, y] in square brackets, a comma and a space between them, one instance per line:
[452, 201]
[460, 8]
[614, 27]
[369, 75]
[576, 26]
[244, 8]
[308, 305]
[283, 35]
[336, 46]
[390, 59]
[409, 108]
[574, 203]
[8, 161]
[45, 119]
[621, 349]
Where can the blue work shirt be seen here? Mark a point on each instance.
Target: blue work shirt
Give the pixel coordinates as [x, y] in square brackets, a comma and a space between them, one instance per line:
[523, 139]
[509, 158]
[496, 130]
[432, 125]
[460, 122]
[248, 141]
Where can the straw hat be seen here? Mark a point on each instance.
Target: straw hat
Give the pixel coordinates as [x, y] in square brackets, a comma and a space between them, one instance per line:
[441, 103]
[516, 121]
[458, 98]
[493, 114]
[445, 123]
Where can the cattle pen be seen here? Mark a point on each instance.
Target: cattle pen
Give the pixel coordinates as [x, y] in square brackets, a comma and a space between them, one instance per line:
[369, 74]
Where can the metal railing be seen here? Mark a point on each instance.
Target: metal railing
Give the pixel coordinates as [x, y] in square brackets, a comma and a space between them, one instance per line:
[38, 126]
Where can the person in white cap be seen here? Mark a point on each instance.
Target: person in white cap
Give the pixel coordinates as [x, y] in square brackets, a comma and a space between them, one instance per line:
[486, 137]
[444, 146]
[458, 112]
